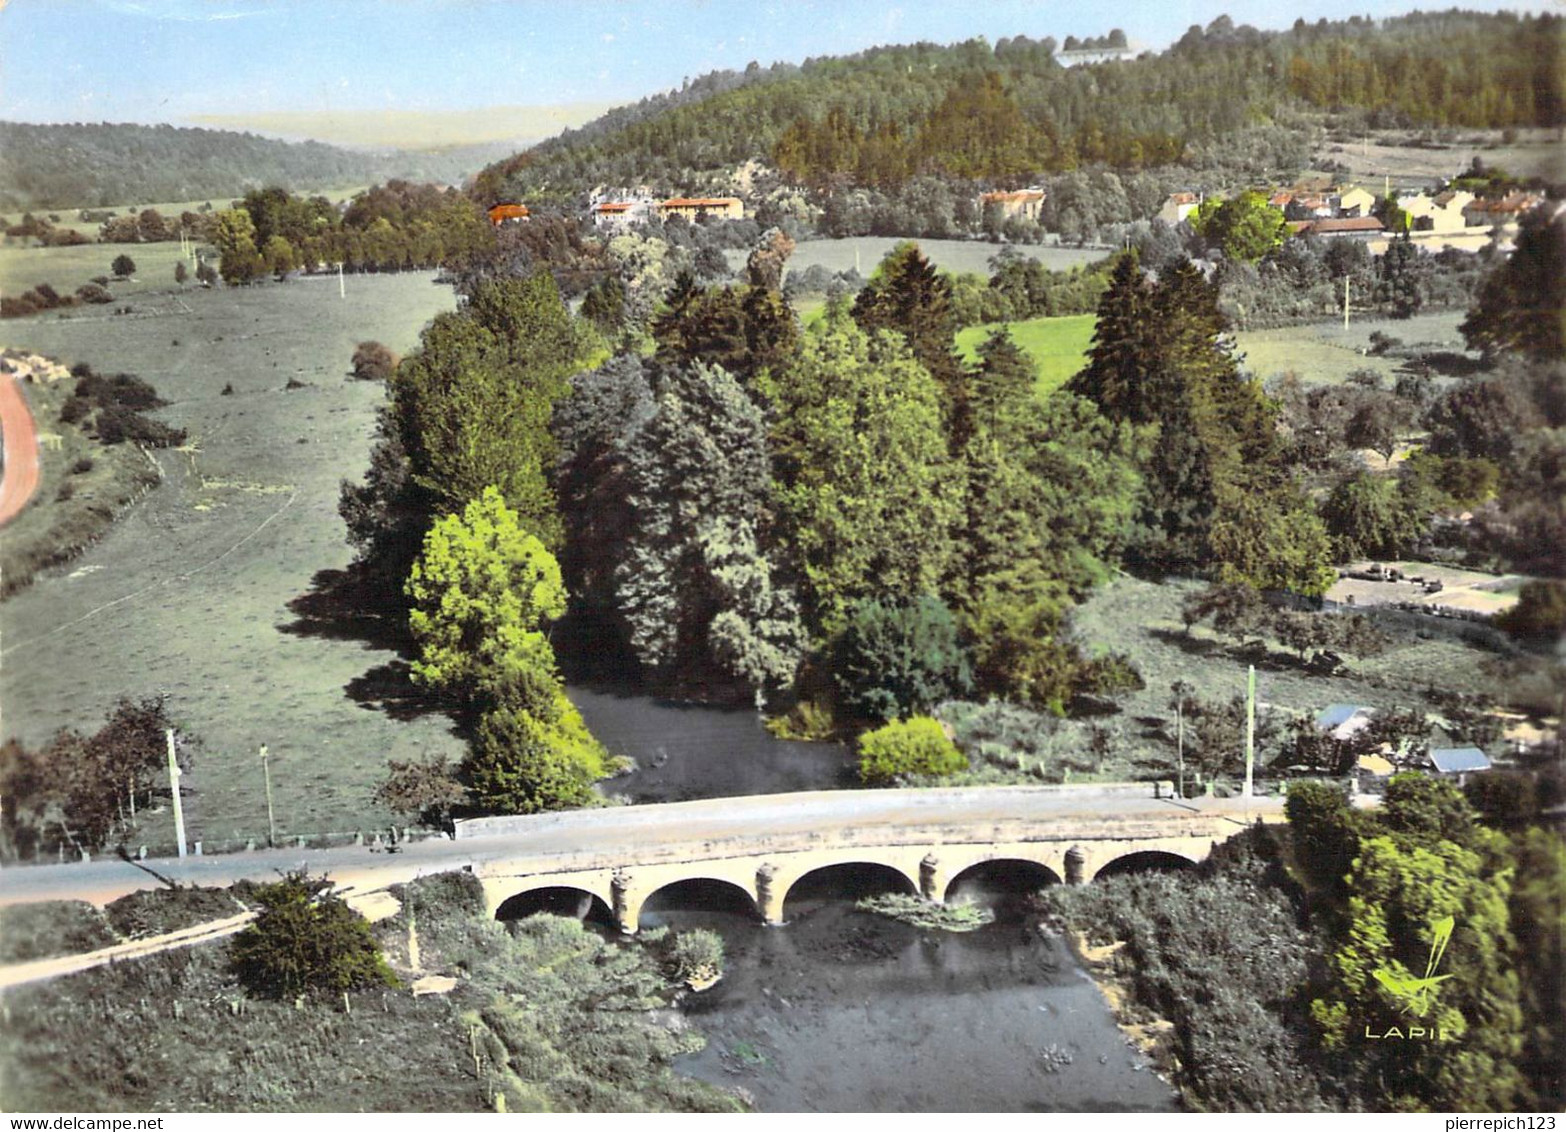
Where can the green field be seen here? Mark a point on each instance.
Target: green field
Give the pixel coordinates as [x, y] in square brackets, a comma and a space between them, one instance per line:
[1326, 353]
[189, 593]
[1058, 346]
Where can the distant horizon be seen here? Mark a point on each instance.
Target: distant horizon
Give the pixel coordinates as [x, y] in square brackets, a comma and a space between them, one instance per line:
[364, 74]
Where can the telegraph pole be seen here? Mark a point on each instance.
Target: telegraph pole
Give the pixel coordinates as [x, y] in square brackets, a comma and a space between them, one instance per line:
[1345, 302]
[271, 826]
[1250, 732]
[179, 812]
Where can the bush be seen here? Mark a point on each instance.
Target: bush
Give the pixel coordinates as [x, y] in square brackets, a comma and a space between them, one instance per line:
[693, 957]
[373, 362]
[93, 293]
[907, 747]
[115, 424]
[306, 941]
[82, 466]
[123, 266]
[1540, 612]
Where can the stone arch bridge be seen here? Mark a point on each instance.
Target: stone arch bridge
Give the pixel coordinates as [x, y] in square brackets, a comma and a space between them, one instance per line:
[764, 845]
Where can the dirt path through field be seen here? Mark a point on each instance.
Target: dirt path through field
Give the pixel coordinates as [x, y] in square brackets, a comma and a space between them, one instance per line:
[21, 451]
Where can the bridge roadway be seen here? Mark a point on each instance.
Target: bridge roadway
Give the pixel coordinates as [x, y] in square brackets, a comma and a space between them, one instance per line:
[762, 844]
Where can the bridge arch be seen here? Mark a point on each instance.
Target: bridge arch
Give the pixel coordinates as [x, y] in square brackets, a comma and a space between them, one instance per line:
[556, 900]
[850, 879]
[713, 893]
[1144, 861]
[1013, 876]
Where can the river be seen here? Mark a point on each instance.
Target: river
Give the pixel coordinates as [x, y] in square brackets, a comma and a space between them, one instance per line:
[841, 1010]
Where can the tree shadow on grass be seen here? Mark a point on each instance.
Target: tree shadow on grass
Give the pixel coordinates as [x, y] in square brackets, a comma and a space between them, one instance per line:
[350, 605]
[1192, 646]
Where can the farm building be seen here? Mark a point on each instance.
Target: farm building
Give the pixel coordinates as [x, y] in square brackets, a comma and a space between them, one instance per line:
[1502, 212]
[1339, 228]
[507, 212]
[1344, 721]
[620, 214]
[1440, 214]
[1024, 204]
[1460, 761]
[1178, 207]
[696, 208]
[1355, 201]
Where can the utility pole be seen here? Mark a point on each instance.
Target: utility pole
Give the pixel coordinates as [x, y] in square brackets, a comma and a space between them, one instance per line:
[1180, 740]
[1345, 302]
[179, 812]
[271, 826]
[1250, 731]
[342, 291]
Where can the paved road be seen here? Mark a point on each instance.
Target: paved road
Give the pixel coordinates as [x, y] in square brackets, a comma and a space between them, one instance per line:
[632, 833]
[21, 450]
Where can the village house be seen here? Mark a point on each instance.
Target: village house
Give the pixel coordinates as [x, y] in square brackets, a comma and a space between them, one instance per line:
[1441, 214]
[1355, 201]
[1499, 213]
[695, 208]
[1178, 207]
[618, 215]
[507, 212]
[1023, 204]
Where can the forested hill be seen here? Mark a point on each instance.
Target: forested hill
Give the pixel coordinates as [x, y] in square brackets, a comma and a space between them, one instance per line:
[1009, 111]
[82, 166]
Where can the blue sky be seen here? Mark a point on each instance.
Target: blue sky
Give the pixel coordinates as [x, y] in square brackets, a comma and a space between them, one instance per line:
[168, 60]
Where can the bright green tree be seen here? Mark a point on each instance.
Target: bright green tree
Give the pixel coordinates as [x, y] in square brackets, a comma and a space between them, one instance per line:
[1246, 227]
[233, 233]
[482, 590]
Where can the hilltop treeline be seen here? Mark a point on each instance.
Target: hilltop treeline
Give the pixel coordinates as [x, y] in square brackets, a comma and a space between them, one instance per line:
[95, 164]
[1008, 111]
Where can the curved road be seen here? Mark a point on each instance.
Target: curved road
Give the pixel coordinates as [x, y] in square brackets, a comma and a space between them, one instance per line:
[21, 450]
[633, 833]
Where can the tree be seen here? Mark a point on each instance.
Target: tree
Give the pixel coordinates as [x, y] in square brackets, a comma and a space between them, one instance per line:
[898, 658]
[123, 266]
[907, 295]
[867, 496]
[279, 256]
[1521, 305]
[481, 590]
[691, 580]
[181, 273]
[1400, 271]
[917, 746]
[1367, 516]
[472, 405]
[1246, 227]
[306, 941]
[233, 233]
[425, 789]
[532, 752]
[1540, 612]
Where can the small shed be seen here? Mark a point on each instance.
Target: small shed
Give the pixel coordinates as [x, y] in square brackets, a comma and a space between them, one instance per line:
[1460, 761]
[1344, 721]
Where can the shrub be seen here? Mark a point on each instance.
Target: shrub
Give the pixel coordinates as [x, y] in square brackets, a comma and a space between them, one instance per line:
[123, 266]
[82, 466]
[1540, 612]
[900, 657]
[115, 424]
[907, 747]
[373, 362]
[93, 293]
[693, 957]
[306, 941]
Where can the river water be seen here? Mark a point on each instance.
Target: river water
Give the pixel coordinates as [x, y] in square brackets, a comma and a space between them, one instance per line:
[840, 1010]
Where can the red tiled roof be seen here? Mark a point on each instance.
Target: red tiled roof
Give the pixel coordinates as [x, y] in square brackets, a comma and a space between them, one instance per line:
[1183, 198]
[507, 211]
[1020, 195]
[612, 206]
[1347, 224]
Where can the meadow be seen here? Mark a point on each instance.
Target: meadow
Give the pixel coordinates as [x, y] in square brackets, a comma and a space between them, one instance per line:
[1058, 346]
[190, 592]
[1326, 353]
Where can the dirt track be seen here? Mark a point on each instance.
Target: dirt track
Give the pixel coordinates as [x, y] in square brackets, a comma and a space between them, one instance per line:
[21, 451]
